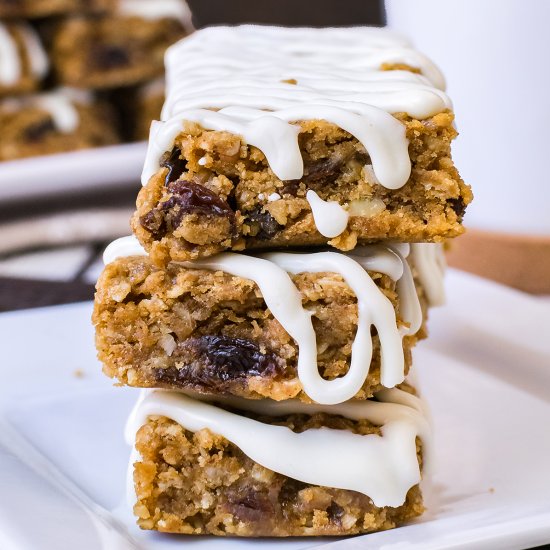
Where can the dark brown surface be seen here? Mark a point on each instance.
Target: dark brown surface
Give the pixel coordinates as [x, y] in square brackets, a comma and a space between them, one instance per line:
[124, 195]
[314, 13]
[19, 293]
[24, 294]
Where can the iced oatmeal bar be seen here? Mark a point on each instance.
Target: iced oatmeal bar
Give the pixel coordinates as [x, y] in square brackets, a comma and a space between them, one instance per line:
[279, 325]
[287, 469]
[275, 137]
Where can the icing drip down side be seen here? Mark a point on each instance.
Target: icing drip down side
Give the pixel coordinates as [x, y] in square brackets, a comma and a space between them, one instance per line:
[382, 467]
[429, 261]
[330, 218]
[258, 82]
[381, 134]
[374, 309]
[271, 273]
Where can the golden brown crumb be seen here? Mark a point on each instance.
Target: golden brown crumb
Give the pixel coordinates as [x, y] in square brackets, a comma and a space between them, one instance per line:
[175, 219]
[172, 327]
[200, 483]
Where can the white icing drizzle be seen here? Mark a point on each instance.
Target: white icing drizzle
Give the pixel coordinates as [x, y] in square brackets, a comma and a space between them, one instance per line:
[381, 134]
[38, 59]
[374, 308]
[271, 273]
[122, 248]
[330, 218]
[402, 248]
[393, 96]
[10, 64]
[382, 467]
[429, 262]
[233, 79]
[395, 395]
[59, 103]
[380, 258]
[157, 9]
[409, 304]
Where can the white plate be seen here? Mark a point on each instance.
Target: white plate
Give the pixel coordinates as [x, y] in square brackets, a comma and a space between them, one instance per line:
[485, 372]
[77, 171]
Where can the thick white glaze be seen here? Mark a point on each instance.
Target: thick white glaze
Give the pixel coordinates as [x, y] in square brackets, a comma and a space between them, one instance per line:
[429, 261]
[381, 467]
[256, 82]
[271, 273]
[330, 218]
[10, 64]
[359, 48]
[121, 248]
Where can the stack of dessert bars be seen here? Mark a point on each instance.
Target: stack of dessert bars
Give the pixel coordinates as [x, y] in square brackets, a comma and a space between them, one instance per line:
[286, 249]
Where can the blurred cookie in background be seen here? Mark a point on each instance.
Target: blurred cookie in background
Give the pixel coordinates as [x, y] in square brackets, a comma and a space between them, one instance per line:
[46, 8]
[110, 50]
[119, 49]
[23, 61]
[148, 105]
[61, 120]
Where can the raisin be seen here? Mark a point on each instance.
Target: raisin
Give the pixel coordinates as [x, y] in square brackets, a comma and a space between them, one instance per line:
[194, 197]
[154, 222]
[214, 363]
[37, 131]
[234, 357]
[288, 496]
[458, 206]
[289, 491]
[290, 187]
[267, 224]
[328, 169]
[335, 513]
[188, 197]
[110, 56]
[176, 165]
[249, 504]
[323, 171]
